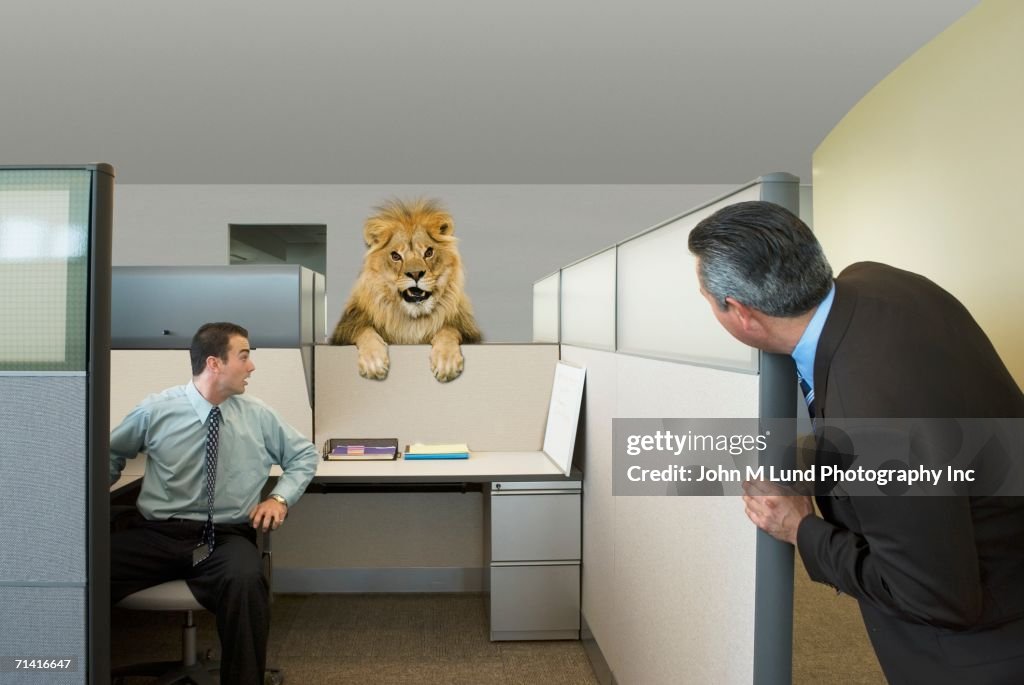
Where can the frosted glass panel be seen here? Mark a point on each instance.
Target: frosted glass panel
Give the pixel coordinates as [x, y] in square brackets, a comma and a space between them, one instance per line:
[661, 312]
[44, 222]
[588, 302]
[545, 309]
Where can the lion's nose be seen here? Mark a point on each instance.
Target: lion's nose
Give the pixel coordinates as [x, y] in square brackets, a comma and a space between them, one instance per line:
[415, 276]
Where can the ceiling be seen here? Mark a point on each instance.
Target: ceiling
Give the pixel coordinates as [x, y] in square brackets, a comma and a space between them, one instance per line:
[448, 91]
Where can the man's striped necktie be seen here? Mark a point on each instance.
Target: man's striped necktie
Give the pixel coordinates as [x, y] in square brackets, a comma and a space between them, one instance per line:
[808, 392]
[205, 547]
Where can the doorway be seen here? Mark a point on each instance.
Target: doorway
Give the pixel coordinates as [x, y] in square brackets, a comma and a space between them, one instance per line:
[302, 244]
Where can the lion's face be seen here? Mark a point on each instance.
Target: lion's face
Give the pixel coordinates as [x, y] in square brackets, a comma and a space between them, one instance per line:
[412, 257]
[411, 287]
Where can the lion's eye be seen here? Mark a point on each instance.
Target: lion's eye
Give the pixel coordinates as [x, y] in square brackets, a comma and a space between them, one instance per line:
[395, 257]
[429, 253]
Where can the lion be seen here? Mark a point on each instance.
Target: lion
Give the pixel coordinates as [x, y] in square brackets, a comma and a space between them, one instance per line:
[410, 291]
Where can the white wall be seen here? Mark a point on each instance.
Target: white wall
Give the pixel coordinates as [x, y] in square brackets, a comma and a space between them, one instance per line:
[924, 172]
[510, 235]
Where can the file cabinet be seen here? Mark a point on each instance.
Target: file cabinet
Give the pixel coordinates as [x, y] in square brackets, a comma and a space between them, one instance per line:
[534, 559]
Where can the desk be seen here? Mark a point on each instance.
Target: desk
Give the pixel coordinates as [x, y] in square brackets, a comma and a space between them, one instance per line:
[532, 531]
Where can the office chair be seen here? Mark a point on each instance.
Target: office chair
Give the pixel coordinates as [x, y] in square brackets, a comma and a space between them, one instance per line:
[174, 595]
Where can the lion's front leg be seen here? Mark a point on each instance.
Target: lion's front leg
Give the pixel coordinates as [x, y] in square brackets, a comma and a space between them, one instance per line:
[446, 360]
[374, 362]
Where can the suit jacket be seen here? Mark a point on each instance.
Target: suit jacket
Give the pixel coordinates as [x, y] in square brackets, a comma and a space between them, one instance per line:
[939, 580]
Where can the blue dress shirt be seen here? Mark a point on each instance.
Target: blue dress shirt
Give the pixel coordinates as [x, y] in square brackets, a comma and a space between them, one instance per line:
[807, 347]
[170, 428]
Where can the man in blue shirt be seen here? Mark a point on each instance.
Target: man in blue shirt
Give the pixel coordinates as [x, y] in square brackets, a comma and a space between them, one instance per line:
[209, 452]
[939, 580]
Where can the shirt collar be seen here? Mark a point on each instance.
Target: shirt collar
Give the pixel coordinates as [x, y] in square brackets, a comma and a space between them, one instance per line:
[198, 402]
[805, 350]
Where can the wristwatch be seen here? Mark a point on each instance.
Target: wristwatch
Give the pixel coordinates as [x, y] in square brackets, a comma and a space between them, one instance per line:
[280, 499]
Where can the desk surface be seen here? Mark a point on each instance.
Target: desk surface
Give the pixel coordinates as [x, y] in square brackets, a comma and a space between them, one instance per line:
[122, 483]
[481, 467]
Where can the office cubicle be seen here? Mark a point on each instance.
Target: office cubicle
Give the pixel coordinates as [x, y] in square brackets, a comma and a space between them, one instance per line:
[675, 588]
[55, 227]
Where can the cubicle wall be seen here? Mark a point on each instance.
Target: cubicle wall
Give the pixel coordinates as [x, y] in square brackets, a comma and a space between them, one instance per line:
[675, 589]
[161, 307]
[546, 295]
[278, 380]
[54, 344]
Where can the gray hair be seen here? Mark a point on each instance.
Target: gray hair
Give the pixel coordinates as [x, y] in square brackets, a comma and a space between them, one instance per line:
[762, 256]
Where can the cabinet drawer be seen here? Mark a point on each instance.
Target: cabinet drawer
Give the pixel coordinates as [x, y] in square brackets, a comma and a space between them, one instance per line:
[535, 602]
[536, 527]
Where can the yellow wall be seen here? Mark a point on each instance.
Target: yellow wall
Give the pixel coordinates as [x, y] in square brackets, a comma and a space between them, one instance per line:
[926, 172]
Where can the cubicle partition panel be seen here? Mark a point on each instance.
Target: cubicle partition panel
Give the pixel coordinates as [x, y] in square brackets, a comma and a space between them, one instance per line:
[681, 574]
[54, 345]
[676, 589]
[499, 403]
[279, 381]
[161, 307]
[588, 287]
[546, 294]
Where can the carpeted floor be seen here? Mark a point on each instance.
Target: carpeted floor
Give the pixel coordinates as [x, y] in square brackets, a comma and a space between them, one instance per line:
[830, 643]
[391, 639]
[421, 639]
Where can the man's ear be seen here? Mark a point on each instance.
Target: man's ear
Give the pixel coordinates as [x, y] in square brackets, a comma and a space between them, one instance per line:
[748, 317]
[212, 363]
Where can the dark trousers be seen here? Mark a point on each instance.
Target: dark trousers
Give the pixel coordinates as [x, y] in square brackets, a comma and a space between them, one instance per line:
[229, 583]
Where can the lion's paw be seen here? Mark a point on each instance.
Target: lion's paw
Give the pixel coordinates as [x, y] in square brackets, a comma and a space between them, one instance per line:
[374, 362]
[446, 362]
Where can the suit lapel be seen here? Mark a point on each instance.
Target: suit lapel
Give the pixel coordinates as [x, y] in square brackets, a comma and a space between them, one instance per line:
[832, 335]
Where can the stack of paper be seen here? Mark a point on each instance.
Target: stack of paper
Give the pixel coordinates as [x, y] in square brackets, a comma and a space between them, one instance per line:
[453, 451]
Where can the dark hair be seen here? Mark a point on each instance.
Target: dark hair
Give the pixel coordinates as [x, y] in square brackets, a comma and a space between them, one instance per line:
[213, 340]
[762, 256]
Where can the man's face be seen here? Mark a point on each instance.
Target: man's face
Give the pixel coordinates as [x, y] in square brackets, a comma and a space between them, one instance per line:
[233, 373]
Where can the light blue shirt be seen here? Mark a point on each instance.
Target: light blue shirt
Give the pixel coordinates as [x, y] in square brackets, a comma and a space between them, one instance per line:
[807, 347]
[171, 427]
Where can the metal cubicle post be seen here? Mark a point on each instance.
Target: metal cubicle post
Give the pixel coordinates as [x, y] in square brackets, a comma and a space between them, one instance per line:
[98, 426]
[773, 604]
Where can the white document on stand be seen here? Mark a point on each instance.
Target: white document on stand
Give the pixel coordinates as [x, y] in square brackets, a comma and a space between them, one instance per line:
[564, 414]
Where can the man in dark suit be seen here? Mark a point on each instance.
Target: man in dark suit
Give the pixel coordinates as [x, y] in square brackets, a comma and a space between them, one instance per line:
[939, 580]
